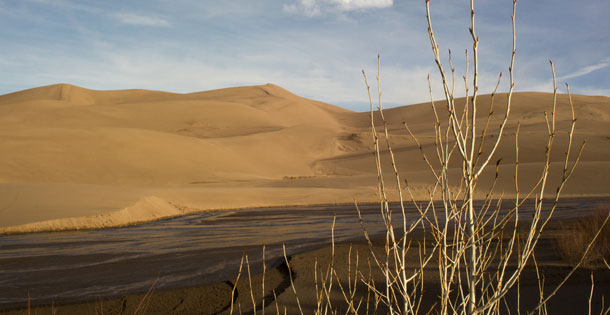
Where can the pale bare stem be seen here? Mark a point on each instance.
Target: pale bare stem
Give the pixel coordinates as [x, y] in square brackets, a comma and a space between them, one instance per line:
[485, 208]
[534, 240]
[291, 279]
[422, 212]
[491, 111]
[509, 251]
[349, 268]
[467, 90]
[369, 281]
[452, 75]
[436, 120]
[367, 237]
[386, 214]
[554, 97]
[342, 291]
[490, 249]
[475, 87]
[548, 124]
[331, 267]
[370, 284]
[510, 93]
[421, 150]
[540, 283]
[318, 293]
[241, 264]
[348, 300]
[263, 282]
[570, 133]
[351, 290]
[580, 262]
[355, 281]
[277, 307]
[545, 172]
[603, 309]
[443, 154]
[517, 172]
[419, 272]
[326, 290]
[250, 286]
[403, 249]
[332, 232]
[566, 174]
[456, 128]
[144, 301]
[535, 230]
[438, 136]
[381, 187]
[591, 294]
[420, 283]
[531, 240]
[506, 305]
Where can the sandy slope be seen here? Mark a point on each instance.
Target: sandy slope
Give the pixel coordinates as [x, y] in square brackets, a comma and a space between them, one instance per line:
[78, 158]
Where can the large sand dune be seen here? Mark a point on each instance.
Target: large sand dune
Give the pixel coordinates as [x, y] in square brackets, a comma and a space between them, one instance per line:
[77, 158]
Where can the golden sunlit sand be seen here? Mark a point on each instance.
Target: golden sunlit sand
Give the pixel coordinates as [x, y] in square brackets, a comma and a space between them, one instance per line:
[74, 158]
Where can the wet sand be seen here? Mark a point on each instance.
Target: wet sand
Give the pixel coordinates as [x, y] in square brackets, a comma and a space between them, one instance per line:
[215, 298]
[188, 251]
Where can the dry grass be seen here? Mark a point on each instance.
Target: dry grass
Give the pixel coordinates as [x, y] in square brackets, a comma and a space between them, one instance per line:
[576, 236]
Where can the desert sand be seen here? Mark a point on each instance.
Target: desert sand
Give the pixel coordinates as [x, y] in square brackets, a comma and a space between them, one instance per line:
[74, 158]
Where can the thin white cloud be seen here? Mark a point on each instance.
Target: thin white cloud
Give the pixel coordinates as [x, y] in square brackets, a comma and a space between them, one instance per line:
[135, 19]
[349, 5]
[593, 91]
[68, 5]
[588, 69]
[307, 7]
[316, 7]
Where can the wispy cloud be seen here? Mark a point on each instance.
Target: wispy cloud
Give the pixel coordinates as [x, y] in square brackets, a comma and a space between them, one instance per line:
[594, 91]
[135, 19]
[349, 5]
[316, 7]
[315, 48]
[588, 69]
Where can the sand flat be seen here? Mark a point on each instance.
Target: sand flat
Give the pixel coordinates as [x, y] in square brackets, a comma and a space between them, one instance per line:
[78, 158]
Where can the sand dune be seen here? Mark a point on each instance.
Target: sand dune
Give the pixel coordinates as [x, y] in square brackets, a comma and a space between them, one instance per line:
[76, 158]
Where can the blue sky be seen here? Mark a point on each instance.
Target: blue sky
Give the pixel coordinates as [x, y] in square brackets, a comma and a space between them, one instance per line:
[314, 48]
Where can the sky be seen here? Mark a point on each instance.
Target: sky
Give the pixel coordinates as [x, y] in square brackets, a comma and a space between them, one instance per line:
[314, 48]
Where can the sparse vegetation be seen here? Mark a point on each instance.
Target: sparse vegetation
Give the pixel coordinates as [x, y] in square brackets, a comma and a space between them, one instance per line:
[575, 236]
[475, 249]
[465, 252]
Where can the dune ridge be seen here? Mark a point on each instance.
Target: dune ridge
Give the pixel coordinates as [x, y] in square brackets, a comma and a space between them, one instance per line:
[76, 158]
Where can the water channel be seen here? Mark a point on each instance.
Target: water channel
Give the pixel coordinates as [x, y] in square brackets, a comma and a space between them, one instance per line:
[185, 251]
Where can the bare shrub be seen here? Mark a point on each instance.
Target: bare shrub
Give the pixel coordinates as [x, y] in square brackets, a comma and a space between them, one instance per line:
[474, 249]
[576, 236]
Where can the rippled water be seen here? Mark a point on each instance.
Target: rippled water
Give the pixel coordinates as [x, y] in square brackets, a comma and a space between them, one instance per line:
[179, 252]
